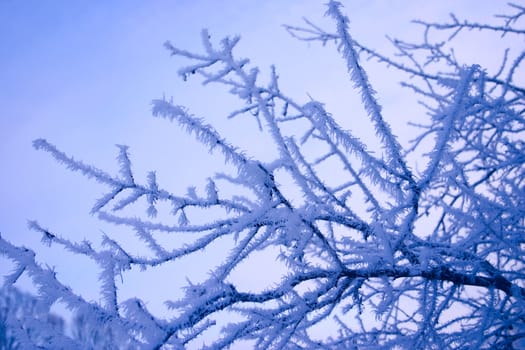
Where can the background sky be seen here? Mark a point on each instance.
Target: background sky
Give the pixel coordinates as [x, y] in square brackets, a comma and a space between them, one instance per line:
[82, 74]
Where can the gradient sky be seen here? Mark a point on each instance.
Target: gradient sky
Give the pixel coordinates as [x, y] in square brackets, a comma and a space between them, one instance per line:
[82, 75]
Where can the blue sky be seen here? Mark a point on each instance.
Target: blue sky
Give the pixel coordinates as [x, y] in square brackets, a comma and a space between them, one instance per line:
[82, 74]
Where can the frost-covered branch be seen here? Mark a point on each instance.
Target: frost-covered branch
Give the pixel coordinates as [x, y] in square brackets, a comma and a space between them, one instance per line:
[376, 253]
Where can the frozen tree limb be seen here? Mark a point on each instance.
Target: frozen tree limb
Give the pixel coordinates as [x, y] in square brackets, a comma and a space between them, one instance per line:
[384, 255]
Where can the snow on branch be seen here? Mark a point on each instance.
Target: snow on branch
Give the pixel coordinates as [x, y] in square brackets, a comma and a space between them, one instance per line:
[358, 250]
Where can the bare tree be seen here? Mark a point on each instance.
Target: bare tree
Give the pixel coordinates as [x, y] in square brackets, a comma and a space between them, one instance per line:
[25, 324]
[382, 256]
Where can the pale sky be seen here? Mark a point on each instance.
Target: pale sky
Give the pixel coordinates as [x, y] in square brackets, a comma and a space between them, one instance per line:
[82, 75]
